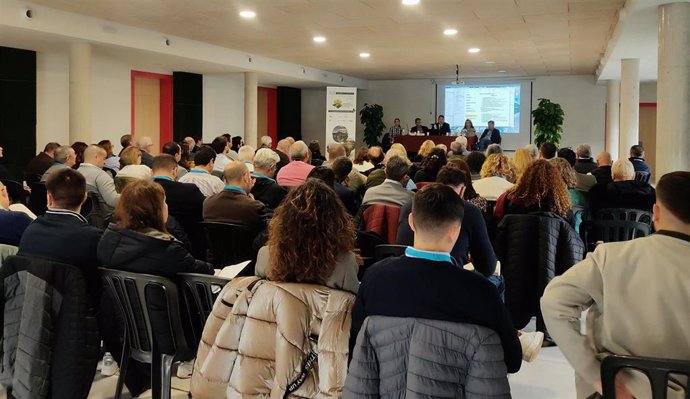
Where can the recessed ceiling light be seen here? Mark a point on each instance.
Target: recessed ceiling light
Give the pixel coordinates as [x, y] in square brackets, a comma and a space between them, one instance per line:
[319, 39]
[473, 50]
[450, 32]
[247, 14]
[364, 55]
[410, 2]
[490, 62]
[501, 71]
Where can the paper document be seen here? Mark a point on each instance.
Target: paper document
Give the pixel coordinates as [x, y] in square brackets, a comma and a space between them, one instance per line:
[233, 270]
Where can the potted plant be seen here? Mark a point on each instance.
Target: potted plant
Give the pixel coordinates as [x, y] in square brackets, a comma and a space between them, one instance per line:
[548, 123]
[371, 116]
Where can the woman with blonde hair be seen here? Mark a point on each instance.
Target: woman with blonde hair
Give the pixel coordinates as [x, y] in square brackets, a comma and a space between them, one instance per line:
[497, 175]
[424, 150]
[522, 159]
[132, 169]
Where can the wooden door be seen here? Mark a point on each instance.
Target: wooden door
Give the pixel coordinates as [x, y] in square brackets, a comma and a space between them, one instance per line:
[648, 135]
[147, 110]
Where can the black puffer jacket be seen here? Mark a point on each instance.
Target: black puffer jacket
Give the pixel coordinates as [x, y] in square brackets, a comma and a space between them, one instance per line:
[533, 249]
[50, 334]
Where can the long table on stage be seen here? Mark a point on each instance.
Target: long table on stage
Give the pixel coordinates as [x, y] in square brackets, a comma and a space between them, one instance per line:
[412, 143]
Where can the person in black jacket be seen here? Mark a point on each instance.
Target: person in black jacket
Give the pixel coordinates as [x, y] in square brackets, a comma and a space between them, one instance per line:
[265, 188]
[431, 165]
[342, 166]
[41, 162]
[491, 135]
[623, 192]
[603, 170]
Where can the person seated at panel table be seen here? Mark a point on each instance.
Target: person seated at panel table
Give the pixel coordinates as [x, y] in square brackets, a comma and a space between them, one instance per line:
[418, 128]
[468, 130]
[491, 135]
[440, 128]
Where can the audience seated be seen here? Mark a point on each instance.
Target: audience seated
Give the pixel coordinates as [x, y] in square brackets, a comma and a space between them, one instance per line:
[125, 141]
[111, 160]
[175, 150]
[265, 188]
[97, 180]
[282, 149]
[376, 157]
[246, 155]
[541, 189]
[475, 161]
[431, 165]
[40, 163]
[584, 163]
[235, 144]
[470, 195]
[234, 204]
[427, 283]
[356, 180]
[521, 160]
[533, 151]
[139, 242]
[64, 158]
[637, 297]
[458, 147]
[145, 145]
[392, 190]
[493, 149]
[424, 150]
[497, 175]
[585, 182]
[342, 167]
[132, 169]
[473, 238]
[12, 223]
[547, 151]
[377, 176]
[317, 158]
[79, 147]
[361, 162]
[637, 159]
[603, 171]
[266, 142]
[624, 191]
[295, 173]
[200, 175]
[221, 145]
[577, 198]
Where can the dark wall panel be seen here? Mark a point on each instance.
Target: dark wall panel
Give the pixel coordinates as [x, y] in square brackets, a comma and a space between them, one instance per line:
[17, 109]
[187, 105]
[289, 112]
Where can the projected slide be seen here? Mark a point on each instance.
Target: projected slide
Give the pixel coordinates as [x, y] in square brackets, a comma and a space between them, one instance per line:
[482, 103]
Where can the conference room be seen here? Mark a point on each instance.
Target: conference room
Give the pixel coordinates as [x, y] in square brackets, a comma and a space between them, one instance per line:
[202, 133]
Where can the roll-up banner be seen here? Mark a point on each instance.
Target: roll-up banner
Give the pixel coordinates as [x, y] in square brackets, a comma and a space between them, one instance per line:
[341, 114]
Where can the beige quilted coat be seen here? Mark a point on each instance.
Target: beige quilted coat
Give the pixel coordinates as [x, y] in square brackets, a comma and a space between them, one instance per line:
[260, 334]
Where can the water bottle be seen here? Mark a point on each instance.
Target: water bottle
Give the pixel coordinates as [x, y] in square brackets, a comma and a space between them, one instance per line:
[108, 364]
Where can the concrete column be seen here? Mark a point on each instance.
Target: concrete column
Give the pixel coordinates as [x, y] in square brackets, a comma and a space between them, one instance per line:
[250, 108]
[673, 90]
[613, 117]
[80, 92]
[630, 106]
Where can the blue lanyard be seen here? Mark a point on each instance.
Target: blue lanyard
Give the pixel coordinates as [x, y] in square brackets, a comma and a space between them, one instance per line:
[163, 178]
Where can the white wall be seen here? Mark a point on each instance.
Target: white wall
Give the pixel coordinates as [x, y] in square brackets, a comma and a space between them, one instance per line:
[223, 100]
[111, 101]
[52, 99]
[314, 115]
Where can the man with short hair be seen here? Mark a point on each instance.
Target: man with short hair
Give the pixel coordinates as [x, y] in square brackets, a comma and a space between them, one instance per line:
[623, 192]
[200, 175]
[184, 201]
[418, 128]
[603, 171]
[637, 297]
[265, 188]
[41, 162]
[145, 145]
[392, 190]
[12, 224]
[356, 179]
[296, 172]
[440, 128]
[426, 282]
[97, 180]
[585, 182]
[64, 158]
[266, 142]
[190, 143]
[637, 159]
[489, 136]
[221, 146]
[584, 163]
[376, 157]
[342, 167]
[282, 149]
[125, 142]
[547, 151]
[55, 234]
[246, 155]
[173, 149]
[234, 204]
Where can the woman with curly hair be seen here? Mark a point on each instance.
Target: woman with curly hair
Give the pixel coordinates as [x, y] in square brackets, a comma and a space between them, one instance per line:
[497, 175]
[424, 150]
[471, 195]
[569, 176]
[522, 159]
[430, 166]
[311, 239]
[541, 189]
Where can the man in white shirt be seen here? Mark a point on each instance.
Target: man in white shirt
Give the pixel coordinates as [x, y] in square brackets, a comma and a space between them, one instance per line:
[201, 176]
[221, 146]
[97, 180]
[637, 294]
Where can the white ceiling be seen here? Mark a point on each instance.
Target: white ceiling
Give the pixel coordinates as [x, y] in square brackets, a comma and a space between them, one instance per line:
[523, 37]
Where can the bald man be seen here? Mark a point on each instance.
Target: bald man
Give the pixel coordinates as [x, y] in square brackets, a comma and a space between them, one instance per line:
[145, 144]
[97, 180]
[603, 170]
[234, 204]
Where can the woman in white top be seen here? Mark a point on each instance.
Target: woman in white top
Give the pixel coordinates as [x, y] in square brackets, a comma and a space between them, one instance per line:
[497, 175]
[132, 170]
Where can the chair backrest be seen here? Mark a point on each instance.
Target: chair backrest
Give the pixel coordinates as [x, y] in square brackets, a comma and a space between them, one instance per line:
[592, 231]
[632, 215]
[15, 191]
[383, 220]
[422, 184]
[657, 370]
[97, 215]
[386, 251]
[110, 171]
[218, 174]
[229, 243]
[122, 181]
[643, 177]
[200, 292]
[38, 202]
[133, 293]
[87, 207]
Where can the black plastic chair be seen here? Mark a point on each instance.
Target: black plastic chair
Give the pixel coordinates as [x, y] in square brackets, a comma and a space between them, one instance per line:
[200, 292]
[133, 293]
[657, 370]
[38, 202]
[367, 241]
[229, 243]
[110, 171]
[643, 177]
[593, 231]
[631, 215]
[15, 191]
[386, 251]
[218, 174]
[87, 207]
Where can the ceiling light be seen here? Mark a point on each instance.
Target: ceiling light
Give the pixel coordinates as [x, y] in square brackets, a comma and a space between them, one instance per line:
[410, 2]
[501, 71]
[490, 62]
[364, 55]
[319, 39]
[473, 50]
[247, 14]
[450, 32]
